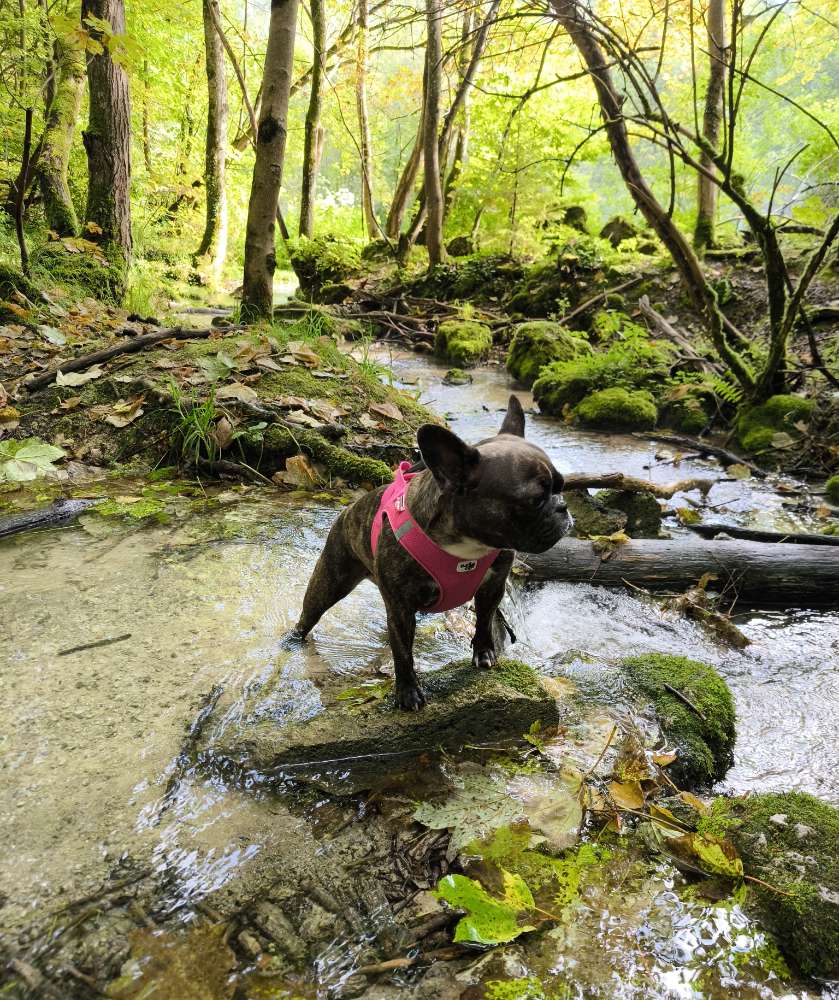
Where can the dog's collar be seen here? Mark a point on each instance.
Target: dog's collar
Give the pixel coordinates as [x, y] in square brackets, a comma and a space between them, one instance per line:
[457, 579]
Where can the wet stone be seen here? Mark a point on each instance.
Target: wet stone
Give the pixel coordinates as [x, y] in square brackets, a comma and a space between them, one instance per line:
[358, 745]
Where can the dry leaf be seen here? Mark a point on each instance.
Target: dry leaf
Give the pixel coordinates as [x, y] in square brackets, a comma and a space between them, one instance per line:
[125, 412]
[303, 353]
[302, 418]
[299, 471]
[79, 378]
[269, 363]
[70, 403]
[236, 390]
[223, 433]
[627, 795]
[389, 410]
[4, 396]
[9, 418]
[738, 471]
[663, 759]
[367, 421]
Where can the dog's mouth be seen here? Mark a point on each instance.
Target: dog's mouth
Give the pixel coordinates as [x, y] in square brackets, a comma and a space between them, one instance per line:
[548, 532]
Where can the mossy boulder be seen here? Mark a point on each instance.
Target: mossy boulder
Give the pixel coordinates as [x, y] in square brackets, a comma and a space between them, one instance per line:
[758, 425]
[460, 246]
[481, 277]
[463, 342]
[322, 261]
[619, 229]
[592, 516]
[465, 705]
[617, 409]
[831, 489]
[689, 412]
[536, 344]
[789, 841]
[703, 731]
[643, 513]
[540, 291]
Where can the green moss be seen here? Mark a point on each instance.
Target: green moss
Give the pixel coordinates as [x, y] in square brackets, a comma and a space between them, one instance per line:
[831, 489]
[689, 414]
[518, 676]
[705, 743]
[94, 271]
[457, 376]
[757, 425]
[643, 513]
[139, 511]
[339, 462]
[463, 342]
[606, 324]
[12, 280]
[479, 276]
[324, 260]
[617, 409]
[788, 841]
[539, 342]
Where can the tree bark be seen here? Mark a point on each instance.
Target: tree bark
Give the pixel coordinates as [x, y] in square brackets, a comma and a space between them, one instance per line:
[260, 250]
[571, 16]
[431, 133]
[764, 573]
[707, 191]
[405, 185]
[313, 140]
[213, 246]
[365, 147]
[107, 139]
[58, 138]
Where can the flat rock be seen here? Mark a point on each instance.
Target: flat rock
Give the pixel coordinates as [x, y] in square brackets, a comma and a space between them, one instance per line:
[465, 706]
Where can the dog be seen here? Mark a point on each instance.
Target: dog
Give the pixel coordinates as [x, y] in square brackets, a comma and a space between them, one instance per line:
[442, 532]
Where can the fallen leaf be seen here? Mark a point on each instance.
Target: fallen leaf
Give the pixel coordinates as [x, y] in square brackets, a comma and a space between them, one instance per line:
[79, 378]
[367, 421]
[488, 920]
[9, 418]
[302, 418]
[236, 390]
[627, 795]
[389, 410]
[223, 432]
[303, 353]
[782, 440]
[269, 363]
[125, 411]
[663, 759]
[49, 333]
[738, 471]
[70, 403]
[4, 396]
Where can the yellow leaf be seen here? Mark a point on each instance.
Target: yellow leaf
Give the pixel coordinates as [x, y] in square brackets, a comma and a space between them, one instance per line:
[627, 795]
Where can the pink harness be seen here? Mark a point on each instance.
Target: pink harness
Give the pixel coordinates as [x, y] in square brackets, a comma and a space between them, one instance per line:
[458, 579]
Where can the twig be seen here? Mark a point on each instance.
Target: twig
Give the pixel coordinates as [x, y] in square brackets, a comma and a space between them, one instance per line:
[684, 698]
[584, 306]
[442, 954]
[596, 764]
[619, 481]
[94, 645]
[727, 457]
[766, 885]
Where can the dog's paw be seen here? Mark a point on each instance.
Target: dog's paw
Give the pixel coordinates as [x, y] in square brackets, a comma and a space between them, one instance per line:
[292, 639]
[410, 697]
[484, 659]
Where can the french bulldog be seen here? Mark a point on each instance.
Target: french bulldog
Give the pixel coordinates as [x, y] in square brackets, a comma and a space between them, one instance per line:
[501, 495]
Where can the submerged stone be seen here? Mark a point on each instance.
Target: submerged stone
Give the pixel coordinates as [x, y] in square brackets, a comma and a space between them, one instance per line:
[465, 705]
[789, 841]
[695, 710]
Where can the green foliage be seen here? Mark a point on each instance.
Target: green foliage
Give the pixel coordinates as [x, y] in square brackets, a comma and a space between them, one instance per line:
[489, 919]
[831, 489]
[23, 461]
[463, 342]
[323, 260]
[193, 434]
[12, 280]
[705, 742]
[773, 424]
[617, 409]
[536, 344]
[83, 270]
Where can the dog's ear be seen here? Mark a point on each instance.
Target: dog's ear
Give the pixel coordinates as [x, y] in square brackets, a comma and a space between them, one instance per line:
[452, 462]
[513, 418]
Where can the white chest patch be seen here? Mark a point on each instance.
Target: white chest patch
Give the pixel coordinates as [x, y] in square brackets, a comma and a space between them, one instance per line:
[467, 548]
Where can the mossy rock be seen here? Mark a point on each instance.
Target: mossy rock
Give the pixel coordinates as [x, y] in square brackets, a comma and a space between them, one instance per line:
[281, 442]
[643, 513]
[465, 705]
[591, 515]
[460, 246]
[89, 271]
[705, 743]
[377, 251]
[463, 342]
[322, 261]
[789, 841]
[536, 344]
[539, 291]
[12, 280]
[758, 425]
[617, 409]
[689, 414]
[607, 324]
[619, 229]
[831, 489]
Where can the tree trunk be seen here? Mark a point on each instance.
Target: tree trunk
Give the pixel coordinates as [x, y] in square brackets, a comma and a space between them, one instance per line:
[313, 141]
[213, 247]
[107, 139]
[574, 20]
[707, 191]
[146, 123]
[404, 191]
[260, 251]
[365, 148]
[766, 573]
[58, 138]
[431, 133]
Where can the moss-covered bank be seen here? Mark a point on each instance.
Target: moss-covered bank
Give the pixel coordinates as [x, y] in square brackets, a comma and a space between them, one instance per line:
[758, 426]
[696, 712]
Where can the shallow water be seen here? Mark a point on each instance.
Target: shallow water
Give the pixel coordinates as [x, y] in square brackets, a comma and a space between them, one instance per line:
[90, 739]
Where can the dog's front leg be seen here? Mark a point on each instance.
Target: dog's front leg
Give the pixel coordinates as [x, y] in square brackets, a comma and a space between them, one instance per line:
[487, 599]
[401, 629]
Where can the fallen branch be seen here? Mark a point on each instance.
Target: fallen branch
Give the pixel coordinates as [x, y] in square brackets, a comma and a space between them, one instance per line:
[129, 346]
[686, 701]
[674, 335]
[59, 513]
[619, 481]
[585, 306]
[703, 448]
[441, 954]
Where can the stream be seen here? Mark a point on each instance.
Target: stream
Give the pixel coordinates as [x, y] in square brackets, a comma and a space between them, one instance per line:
[90, 739]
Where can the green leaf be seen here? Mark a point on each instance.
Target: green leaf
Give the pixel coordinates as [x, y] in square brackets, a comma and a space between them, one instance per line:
[23, 461]
[716, 855]
[488, 920]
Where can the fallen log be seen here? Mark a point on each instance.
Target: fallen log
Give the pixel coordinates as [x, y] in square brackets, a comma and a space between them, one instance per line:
[57, 514]
[725, 456]
[631, 484]
[757, 573]
[711, 530]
